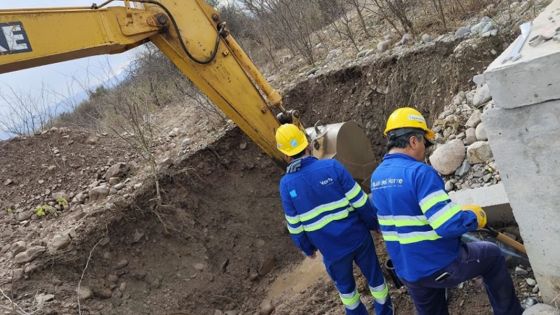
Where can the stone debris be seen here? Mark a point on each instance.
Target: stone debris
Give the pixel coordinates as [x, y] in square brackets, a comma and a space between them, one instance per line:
[541, 309]
[521, 271]
[42, 298]
[479, 152]
[383, 45]
[59, 241]
[531, 282]
[118, 170]
[84, 293]
[29, 255]
[474, 120]
[266, 308]
[482, 96]
[480, 132]
[98, 193]
[470, 137]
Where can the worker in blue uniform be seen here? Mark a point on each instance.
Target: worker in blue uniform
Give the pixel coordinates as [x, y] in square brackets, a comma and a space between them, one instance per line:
[422, 227]
[327, 211]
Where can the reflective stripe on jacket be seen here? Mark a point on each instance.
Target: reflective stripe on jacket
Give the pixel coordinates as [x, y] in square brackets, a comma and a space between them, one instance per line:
[325, 208]
[420, 224]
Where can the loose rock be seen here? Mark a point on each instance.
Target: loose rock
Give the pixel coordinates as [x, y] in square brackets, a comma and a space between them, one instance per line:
[479, 152]
[464, 169]
[84, 293]
[481, 132]
[482, 96]
[98, 193]
[42, 298]
[18, 247]
[448, 157]
[384, 45]
[470, 136]
[463, 32]
[121, 264]
[59, 242]
[474, 120]
[117, 170]
[531, 281]
[266, 308]
[426, 38]
[541, 309]
[520, 271]
[29, 255]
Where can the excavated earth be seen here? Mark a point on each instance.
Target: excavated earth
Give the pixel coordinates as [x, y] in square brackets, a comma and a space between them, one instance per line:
[217, 242]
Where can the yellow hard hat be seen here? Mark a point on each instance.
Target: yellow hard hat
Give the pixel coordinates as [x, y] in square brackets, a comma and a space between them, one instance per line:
[290, 140]
[408, 117]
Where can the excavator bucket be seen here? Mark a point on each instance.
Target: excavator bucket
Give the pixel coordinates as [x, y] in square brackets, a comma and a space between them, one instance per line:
[347, 143]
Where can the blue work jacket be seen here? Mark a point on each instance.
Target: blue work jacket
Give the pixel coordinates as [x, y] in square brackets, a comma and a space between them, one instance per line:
[420, 224]
[325, 208]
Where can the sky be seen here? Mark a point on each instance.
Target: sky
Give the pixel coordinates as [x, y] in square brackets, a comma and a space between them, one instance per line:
[64, 79]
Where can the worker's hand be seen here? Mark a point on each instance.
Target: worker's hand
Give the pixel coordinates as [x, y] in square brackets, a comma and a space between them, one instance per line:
[480, 214]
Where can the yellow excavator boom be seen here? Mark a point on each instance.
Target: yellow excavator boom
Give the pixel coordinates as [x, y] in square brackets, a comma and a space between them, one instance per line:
[188, 32]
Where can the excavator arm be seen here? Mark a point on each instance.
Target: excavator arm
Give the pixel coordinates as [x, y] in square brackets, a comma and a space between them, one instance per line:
[188, 32]
[191, 34]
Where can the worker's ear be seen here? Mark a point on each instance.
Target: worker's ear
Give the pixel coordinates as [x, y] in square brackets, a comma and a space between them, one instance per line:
[413, 142]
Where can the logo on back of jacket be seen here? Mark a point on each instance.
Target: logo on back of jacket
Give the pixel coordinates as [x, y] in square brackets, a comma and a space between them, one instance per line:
[327, 181]
[387, 183]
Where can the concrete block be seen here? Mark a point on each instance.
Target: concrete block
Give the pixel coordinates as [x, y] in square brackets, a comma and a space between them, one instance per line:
[492, 199]
[526, 146]
[533, 78]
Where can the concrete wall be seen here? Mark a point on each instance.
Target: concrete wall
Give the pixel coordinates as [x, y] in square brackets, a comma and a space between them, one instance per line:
[524, 133]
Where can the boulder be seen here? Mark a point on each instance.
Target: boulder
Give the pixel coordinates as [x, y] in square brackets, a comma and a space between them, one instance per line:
[479, 152]
[481, 132]
[448, 157]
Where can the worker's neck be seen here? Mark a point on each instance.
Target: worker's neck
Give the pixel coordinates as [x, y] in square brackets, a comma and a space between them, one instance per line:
[407, 151]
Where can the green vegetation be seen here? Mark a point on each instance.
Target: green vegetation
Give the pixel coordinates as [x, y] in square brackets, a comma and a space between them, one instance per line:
[44, 210]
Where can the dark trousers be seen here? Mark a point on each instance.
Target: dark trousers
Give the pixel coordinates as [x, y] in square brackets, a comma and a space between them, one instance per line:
[475, 259]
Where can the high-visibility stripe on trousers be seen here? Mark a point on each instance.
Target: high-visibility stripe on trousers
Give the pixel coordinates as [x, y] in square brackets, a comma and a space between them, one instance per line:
[341, 271]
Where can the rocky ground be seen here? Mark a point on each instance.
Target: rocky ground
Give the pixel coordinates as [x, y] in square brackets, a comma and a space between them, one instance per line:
[83, 231]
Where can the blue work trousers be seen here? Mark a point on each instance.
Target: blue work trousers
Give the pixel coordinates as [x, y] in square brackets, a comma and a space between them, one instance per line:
[341, 272]
[475, 259]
